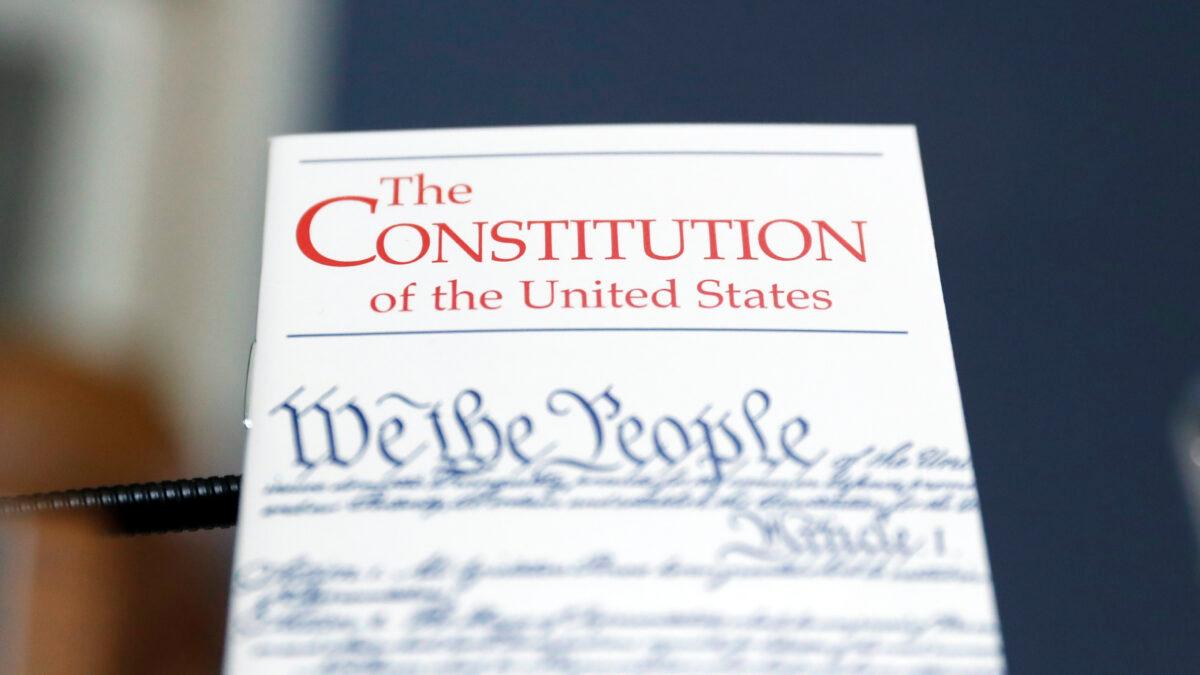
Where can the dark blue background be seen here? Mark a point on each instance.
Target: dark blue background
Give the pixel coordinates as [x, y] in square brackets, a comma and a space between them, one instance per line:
[1060, 151]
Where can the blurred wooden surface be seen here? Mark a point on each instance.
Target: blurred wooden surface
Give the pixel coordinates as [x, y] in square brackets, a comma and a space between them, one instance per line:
[89, 602]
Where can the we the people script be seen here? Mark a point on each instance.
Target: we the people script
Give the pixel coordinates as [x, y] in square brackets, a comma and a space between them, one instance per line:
[664, 398]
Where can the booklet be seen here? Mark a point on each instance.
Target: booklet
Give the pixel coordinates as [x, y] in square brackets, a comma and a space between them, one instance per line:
[648, 398]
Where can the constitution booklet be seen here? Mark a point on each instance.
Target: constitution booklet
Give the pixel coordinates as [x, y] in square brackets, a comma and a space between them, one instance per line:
[649, 398]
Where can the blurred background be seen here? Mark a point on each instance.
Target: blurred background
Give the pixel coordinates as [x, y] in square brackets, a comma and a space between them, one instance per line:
[1060, 151]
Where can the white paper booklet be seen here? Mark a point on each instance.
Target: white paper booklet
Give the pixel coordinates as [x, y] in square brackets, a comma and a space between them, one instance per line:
[664, 398]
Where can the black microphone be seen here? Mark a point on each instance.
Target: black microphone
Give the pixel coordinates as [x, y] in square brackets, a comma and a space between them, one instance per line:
[142, 508]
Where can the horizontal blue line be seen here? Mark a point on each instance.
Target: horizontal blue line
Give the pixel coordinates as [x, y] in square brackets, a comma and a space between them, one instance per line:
[602, 329]
[602, 153]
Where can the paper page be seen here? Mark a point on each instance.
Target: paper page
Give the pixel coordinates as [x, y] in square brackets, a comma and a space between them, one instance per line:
[653, 398]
